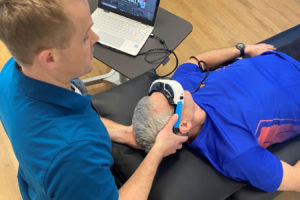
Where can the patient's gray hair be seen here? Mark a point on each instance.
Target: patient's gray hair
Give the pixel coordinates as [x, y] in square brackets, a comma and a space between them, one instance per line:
[147, 122]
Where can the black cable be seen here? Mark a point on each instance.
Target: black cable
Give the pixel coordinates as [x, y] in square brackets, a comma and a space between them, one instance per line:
[154, 52]
[167, 51]
[206, 75]
[158, 60]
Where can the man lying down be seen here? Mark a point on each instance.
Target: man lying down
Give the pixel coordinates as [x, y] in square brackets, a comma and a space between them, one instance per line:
[232, 114]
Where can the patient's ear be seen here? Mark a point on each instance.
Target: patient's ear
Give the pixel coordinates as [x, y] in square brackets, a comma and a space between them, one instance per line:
[185, 126]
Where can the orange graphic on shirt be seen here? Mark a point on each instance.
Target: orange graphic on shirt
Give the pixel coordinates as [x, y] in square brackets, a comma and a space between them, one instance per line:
[276, 131]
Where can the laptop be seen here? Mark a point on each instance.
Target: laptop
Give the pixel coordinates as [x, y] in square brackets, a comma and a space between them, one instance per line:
[125, 25]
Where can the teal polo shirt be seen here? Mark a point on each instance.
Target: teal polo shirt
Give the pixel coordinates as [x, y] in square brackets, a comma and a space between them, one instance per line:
[62, 146]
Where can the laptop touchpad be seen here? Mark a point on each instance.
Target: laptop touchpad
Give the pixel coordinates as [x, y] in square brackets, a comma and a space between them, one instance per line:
[106, 38]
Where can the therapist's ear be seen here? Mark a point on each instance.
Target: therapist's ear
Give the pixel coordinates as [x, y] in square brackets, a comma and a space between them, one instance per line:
[46, 59]
[185, 126]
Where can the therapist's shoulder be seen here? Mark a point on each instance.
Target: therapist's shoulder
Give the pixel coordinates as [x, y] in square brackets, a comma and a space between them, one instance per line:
[6, 83]
[6, 69]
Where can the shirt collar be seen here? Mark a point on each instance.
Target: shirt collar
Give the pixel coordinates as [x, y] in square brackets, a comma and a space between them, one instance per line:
[49, 93]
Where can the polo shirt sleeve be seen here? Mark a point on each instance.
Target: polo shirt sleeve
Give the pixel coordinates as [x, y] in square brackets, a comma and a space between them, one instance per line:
[81, 171]
[258, 166]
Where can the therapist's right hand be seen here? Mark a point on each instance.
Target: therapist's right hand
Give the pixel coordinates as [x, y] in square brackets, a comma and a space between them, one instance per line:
[166, 141]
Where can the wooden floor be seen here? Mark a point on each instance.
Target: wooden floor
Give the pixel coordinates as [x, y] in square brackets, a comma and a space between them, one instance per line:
[217, 23]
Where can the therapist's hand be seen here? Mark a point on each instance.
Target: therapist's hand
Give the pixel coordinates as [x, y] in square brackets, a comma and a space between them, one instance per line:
[166, 141]
[130, 139]
[139, 184]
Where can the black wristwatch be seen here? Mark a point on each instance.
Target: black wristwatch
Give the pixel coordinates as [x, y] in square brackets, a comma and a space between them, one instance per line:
[241, 47]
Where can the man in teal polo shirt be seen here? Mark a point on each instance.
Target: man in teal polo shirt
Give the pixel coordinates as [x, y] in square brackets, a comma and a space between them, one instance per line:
[62, 146]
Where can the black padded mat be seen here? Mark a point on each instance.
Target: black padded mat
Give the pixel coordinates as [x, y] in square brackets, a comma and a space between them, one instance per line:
[292, 49]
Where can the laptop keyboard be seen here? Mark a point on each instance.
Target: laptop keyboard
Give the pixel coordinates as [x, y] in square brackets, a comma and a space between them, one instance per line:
[120, 29]
[115, 41]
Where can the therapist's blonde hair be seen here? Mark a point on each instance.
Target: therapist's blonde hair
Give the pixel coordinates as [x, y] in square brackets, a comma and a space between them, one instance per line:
[29, 26]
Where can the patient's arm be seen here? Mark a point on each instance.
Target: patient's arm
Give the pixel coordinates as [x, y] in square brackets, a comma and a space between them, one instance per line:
[219, 56]
[291, 177]
[120, 133]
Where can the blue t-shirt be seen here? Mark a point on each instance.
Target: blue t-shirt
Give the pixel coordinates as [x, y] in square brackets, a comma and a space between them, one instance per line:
[249, 105]
[62, 146]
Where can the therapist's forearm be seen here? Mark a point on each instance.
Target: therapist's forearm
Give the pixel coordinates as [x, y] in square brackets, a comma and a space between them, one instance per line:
[120, 133]
[116, 131]
[139, 184]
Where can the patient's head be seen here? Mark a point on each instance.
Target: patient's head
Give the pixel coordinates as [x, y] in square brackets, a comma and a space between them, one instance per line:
[152, 114]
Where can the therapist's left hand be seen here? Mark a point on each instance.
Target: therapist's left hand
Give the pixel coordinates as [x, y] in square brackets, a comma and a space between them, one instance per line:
[130, 139]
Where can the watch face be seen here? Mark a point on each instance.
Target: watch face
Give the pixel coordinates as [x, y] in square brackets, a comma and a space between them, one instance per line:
[240, 45]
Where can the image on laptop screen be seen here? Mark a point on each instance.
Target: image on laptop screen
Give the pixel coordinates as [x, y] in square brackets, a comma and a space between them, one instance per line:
[141, 10]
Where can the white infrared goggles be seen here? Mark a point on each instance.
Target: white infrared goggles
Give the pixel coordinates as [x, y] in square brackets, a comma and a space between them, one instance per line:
[173, 92]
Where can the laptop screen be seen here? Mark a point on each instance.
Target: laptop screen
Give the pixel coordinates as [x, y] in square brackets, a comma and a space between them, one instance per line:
[141, 10]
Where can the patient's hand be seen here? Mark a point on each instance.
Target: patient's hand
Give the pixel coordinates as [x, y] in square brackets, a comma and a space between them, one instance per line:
[252, 50]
